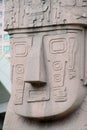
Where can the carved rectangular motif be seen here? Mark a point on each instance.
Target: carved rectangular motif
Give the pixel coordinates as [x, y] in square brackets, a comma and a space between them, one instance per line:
[60, 95]
[38, 95]
[58, 45]
[22, 46]
[68, 2]
[20, 49]
[19, 91]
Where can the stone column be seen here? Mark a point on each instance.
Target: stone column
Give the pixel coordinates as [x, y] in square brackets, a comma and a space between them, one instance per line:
[48, 64]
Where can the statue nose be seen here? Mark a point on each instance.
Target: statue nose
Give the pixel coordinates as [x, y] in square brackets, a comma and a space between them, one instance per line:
[35, 67]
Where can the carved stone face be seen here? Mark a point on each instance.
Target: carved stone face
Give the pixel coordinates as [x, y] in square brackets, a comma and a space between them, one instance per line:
[48, 69]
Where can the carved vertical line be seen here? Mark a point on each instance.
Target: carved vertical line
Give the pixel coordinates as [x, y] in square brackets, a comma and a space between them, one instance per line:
[82, 54]
[73, 46]
[85, 76]
[19, 14]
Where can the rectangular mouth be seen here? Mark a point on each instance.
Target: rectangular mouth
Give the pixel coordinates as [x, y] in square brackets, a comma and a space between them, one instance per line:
[38, 95]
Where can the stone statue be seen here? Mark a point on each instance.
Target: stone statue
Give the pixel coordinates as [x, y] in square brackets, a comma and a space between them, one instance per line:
[48, 64]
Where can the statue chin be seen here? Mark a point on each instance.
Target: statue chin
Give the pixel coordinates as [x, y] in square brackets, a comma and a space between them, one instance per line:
[42, 109]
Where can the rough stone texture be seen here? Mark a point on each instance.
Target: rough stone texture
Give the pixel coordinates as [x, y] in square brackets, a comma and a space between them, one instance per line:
[48, 64]
[33, 13]
[75, 121]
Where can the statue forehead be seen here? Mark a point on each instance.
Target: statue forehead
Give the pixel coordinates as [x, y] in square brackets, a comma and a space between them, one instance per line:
[38, 13]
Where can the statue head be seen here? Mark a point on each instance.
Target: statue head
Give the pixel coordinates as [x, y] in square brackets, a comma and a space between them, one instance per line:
[48, 72]
[48, 62]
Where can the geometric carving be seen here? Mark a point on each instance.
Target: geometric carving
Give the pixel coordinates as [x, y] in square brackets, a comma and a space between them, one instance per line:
[20, 84]
[21, 46]
[38, 95]
[72, 74]
[55, 14]
[59, 90]
[31, 13]
[20, 49]
[72, 56]
[60, 95]
[57, 65]
[34, 12]
[68, 2]
[58, 56]
[12, 12]
[72, 52]
[19, 68]
[19, 91]
[18, 98]
[59, 75]
[58, 45]
[36, 6]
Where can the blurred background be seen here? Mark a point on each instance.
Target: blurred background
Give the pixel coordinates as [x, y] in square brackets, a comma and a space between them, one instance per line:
[5, 84]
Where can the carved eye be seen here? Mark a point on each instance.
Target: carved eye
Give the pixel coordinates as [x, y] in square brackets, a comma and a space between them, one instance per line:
[20, 49]
[58, 45]
[22, 46]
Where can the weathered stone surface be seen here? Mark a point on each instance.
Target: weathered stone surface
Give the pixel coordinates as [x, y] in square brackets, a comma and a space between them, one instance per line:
[33, 13]
[74, 121]
[49, 67]
[47, 72]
